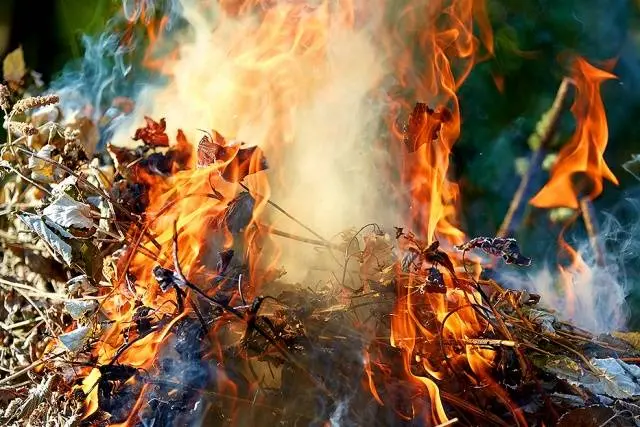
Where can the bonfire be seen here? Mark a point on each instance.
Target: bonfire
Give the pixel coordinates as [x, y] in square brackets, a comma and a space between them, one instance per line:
[241, 244]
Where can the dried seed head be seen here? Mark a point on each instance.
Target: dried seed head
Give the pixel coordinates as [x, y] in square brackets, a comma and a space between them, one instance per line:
[71, 135]
[35, 102]
[4, 97]
[23, 128]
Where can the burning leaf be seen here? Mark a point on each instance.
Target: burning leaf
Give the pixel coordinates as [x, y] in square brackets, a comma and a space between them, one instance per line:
[166, 278]
[239, 212]
[13, 66]
[80, 308]
[633, 166]
[434, 281]
[507, 248]
[424, 125]
[224, 259]
[67, 212]
[240, 162]
[76, 339]
[153, 133]
[45, 232]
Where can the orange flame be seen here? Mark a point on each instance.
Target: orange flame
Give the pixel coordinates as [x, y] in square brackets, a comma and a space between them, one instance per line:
[447, 39]
[584, 152]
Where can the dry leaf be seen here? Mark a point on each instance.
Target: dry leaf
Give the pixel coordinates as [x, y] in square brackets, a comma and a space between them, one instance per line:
[13, 67]
[67, 212]
[78, 308]
[80, 284]
[46, 232]
[76, 339]
[42, 170]
[153, 133]
[632, 338]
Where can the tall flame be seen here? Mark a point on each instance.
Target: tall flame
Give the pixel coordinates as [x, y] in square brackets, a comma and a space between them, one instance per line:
[303, 81]
[585, 151]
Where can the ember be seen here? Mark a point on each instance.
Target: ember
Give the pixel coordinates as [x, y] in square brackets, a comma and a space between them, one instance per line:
[149, 270]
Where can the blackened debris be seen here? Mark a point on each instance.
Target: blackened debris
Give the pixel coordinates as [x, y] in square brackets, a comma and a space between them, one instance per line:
[166, 278]
[224, 258]
[239, 212]
[153, 133]
[409, 259]
[424, 125]
[435, 281]
[507, 248]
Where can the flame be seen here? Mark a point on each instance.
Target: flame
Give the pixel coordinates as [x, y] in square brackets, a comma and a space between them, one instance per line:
[447, 40]
[277, 74]
[585, 151]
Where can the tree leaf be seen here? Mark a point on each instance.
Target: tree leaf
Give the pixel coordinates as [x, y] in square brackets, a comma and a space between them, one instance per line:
[88, 257]
[78, 308]
[13, 66]
[53, 240]
[76, 339]
[68, 212]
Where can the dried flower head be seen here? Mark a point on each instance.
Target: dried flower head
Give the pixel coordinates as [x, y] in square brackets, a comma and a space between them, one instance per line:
[23, 128]
[71, 135]
[4, 97]
[34, 102]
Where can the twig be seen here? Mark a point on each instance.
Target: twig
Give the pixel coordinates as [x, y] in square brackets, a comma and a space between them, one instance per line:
[40, 312]
[28, 368]
[515, 212]
[482, 342]
[291, 217]
[280, 233]
[448, 423]
[590, 223]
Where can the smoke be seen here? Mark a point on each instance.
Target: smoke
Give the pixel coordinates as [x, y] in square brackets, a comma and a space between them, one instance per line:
[590, 295]
[300, 82]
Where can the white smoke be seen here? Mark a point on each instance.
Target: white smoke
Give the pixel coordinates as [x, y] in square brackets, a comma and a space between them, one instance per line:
[592, 296]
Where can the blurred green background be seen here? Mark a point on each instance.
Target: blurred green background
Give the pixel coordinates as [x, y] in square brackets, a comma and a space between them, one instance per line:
[530, 35]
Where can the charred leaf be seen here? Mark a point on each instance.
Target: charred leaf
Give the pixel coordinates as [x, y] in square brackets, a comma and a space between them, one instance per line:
[507, 248]
[238, 161]
[424, 125]
[153, 133]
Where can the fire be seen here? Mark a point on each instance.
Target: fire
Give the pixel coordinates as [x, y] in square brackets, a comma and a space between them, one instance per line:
[585, 151]
[278, 74]
[576, 178]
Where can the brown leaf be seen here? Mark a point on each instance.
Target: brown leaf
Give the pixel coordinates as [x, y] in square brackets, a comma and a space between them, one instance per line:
[13, 66]
[240, 161]
[153, 133]
[424, 125]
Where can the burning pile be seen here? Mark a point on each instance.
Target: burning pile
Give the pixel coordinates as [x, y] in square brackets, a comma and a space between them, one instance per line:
[141, 283]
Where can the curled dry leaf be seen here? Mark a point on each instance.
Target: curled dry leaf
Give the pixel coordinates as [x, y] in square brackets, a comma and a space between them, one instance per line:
[153, 133]
[52, 238]
[78, 308]
[68, 212]
[65, 186]
[236, 161]
[507, 248]
[75, 340]
[424, 125]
